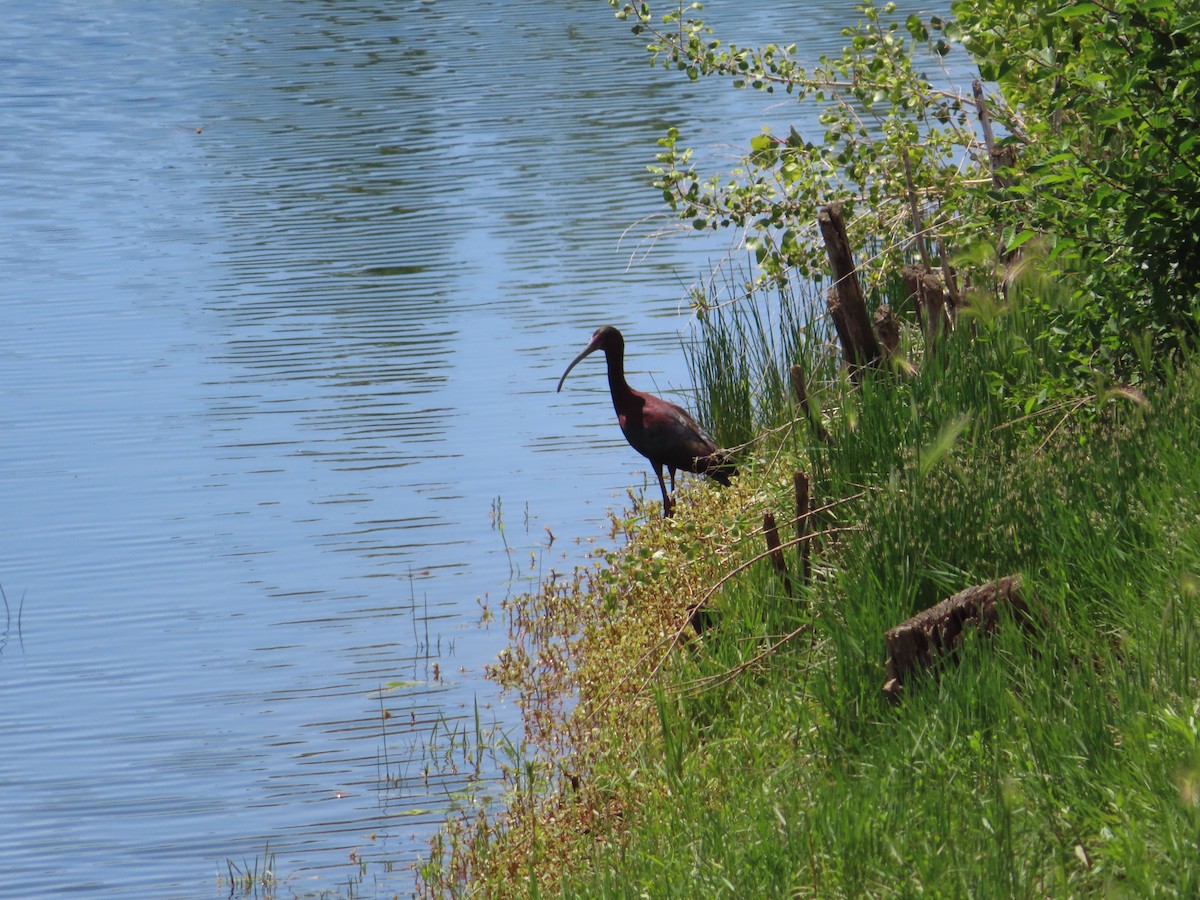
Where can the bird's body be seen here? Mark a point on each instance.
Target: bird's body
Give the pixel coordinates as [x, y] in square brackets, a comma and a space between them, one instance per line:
[664, 433]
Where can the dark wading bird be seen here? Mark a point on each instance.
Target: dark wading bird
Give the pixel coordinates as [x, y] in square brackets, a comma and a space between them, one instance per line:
[662, 432]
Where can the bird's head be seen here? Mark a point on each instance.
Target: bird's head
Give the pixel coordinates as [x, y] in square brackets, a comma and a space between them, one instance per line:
[605, 338]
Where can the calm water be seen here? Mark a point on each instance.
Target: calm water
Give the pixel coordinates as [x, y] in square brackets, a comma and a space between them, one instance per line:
[287, 287]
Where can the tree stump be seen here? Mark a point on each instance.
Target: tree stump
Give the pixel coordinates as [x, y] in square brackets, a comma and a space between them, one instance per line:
[935, 633]
[926, 291]
[845, 301]
[888, 330]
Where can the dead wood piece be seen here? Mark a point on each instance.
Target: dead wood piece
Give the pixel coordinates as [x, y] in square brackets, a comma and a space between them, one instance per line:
[888, 330]
[775, 549]
[800, 486]
[845, 300]
[931, 634]
[929, 300]
[800, 386]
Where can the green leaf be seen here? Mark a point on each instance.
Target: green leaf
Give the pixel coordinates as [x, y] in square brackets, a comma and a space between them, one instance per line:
[1076, 10]
[1019, 240]
[1115, 114]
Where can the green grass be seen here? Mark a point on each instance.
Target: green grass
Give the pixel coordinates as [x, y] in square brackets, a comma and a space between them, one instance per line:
[1062, 762]
[1057, 764]
[744, 342]
[252, 878]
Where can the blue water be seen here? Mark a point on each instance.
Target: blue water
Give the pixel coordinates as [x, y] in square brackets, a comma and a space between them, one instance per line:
[286, 291]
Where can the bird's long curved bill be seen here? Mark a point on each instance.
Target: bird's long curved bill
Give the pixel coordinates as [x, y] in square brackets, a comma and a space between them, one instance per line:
[586, 350]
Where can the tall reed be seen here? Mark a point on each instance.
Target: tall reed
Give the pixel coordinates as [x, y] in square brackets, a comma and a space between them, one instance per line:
[743, 344]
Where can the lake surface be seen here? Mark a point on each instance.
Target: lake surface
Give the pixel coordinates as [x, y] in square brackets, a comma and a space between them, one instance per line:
[287, 289]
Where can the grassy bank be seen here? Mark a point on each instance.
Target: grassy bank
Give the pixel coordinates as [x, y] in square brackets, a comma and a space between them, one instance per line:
[761, 757]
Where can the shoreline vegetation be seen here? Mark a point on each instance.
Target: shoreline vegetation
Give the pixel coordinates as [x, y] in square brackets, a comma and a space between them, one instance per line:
[995, 481]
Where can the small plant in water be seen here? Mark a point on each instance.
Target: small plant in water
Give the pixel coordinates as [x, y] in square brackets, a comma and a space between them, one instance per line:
[251, 879]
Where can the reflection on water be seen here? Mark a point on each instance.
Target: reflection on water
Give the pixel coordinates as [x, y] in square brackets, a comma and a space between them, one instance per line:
[287, 290]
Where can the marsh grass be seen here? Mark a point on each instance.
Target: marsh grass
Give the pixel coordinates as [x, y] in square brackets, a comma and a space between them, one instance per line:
[744, 342]
[252, 878]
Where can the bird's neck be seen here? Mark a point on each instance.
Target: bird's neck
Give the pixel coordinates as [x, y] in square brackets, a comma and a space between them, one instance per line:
[617, 385]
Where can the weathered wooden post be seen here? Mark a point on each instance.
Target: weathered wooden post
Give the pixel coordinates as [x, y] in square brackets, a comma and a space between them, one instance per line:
[845, 301]
[887, 329]
[800, 386]
[775, 550]
[930, 302]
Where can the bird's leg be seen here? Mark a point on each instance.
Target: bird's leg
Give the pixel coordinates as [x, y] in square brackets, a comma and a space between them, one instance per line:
[662, 484]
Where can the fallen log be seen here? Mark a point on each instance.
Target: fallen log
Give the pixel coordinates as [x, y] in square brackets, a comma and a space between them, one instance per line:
[935, 633]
